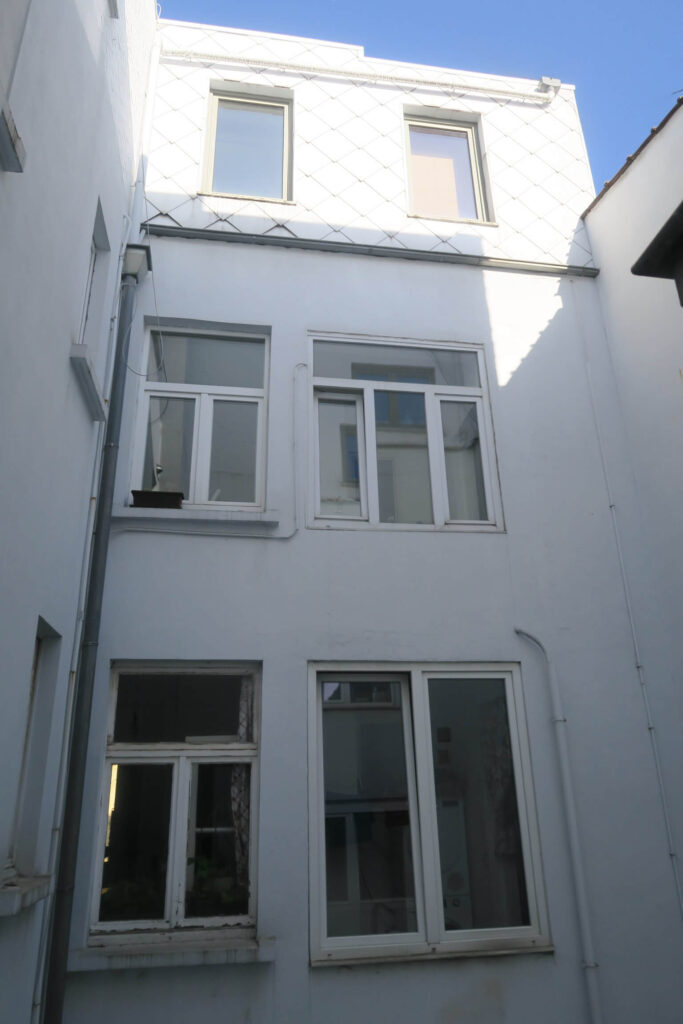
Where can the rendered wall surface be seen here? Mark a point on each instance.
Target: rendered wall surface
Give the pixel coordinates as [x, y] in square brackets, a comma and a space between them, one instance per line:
[291, 594]
[281, 589]
[71, 98]
[375, 595]
[349, 158]
[644, 327]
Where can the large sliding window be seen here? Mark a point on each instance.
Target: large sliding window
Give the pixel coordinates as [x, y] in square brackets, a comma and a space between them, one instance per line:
[402, 435]
[176, 846]
[423, 831]
[203, 418]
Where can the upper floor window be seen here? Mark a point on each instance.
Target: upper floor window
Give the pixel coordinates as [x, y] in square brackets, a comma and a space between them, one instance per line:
[203, 418]
[248, 147]
[444, 170]
[176, 845]
[403, 435]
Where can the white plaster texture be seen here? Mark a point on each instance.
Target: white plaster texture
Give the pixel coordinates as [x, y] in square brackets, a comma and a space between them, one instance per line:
[303, 595]
[571, 438]
[643, 324]
[350, 173]
[77, 95]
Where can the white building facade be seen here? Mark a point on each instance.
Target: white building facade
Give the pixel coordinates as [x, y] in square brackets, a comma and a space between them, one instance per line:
[368, 726]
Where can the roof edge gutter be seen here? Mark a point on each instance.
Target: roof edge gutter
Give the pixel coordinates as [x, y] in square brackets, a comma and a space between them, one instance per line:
[390, 252]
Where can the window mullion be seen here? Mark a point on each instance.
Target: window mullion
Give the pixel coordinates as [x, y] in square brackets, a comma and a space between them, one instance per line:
[201, 449]
[487, 459]
[318, 851]
[413, 803]
[316, 452]
[362, 458]
[102, 839]
[260, 467]
[285, 151]
[476, 174]
[178, 845]
[427, 808]
[437, 466]
[141, 440]
[371, 455]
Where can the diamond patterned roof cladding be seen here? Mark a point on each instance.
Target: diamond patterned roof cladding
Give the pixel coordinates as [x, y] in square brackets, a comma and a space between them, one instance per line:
[349, 148]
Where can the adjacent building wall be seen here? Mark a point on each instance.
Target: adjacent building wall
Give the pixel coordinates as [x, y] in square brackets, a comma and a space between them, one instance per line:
[77, 94]
[643, 324]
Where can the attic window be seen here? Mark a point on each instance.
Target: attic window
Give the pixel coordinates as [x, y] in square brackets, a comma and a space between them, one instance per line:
[248, 147]
[444, 171]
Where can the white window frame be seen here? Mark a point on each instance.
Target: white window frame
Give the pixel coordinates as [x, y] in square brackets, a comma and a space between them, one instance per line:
[430, 939]
[362, 392]
[257, 100]
[470, 129]
[181, 756]
[357, 401]
[204, 395]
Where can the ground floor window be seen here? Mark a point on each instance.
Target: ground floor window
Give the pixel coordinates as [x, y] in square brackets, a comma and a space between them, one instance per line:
[423, 826]
[179, 794]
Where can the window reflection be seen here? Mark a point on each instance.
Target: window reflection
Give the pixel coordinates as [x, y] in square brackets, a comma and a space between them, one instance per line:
[249, 149]
[403, 476]
[482, 868]
[369, 865]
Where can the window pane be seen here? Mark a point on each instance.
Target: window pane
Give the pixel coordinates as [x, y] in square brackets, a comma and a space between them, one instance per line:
[217, 874]
[233, 452]
[466, 495]
[482, 869]
[168, 454]
[349, 361]
[403, 478]
[183, 709]
[249, 149]
[136, 847]
[339, 472]
[195, 359]
[369, 865]
[441, 173]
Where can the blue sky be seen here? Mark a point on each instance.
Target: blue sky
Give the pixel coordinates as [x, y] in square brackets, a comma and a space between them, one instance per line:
[626, 59]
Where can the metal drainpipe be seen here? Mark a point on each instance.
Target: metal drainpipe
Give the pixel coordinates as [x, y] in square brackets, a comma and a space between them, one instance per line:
[589, 963]
[60, 925]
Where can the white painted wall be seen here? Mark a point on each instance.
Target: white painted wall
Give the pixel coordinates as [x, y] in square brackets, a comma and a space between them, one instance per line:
[404, 595]
[289, 595]
[12, 21]
[644, 330]
[71, 97]
[350, 173]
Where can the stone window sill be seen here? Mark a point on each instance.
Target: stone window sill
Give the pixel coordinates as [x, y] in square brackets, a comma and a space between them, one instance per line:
[21, 892]
[122, 951]
[195, 520]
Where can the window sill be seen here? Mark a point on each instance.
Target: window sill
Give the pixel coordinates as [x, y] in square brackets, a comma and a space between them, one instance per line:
[81, 365]
[21, 892]
[122, 951]
[194, 520]
[363, 524]
[457, 220]
[485, 947]
[253, 199]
